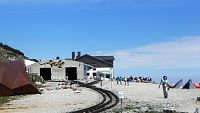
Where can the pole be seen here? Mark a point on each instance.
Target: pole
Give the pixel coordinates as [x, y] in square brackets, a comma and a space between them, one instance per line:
[121, 104]
[101, 80]
[111, 82]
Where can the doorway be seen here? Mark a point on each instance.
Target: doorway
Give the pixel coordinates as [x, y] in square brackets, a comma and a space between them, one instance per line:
[71, 73]
[45, 73]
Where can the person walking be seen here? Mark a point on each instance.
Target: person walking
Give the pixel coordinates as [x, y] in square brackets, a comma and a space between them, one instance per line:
[165, 85]
[117, 79]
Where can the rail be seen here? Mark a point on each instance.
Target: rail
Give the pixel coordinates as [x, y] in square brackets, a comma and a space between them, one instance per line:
[109, 100]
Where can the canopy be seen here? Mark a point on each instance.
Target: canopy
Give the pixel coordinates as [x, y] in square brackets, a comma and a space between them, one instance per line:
[14, 79]
[189, 85]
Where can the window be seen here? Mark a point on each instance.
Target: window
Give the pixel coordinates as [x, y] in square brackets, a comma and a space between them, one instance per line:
[94, 74]
[107, 76]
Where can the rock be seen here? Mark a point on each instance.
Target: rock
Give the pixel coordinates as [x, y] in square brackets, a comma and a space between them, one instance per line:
[77, 91]
[169, 111]
[49, 88]
[58, 87]
[198, 98]
[38, 83]
[41, 89]
[197, 110]
[65, 87]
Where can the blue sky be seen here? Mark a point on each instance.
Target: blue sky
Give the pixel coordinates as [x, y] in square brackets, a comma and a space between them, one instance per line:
[147, 37]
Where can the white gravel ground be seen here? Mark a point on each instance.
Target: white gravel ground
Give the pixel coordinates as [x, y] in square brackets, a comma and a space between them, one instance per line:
[139, 97]
[53, 100]
[147, 96]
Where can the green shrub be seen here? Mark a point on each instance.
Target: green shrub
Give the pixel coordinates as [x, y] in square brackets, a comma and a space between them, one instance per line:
[36, 78]
[5, 99]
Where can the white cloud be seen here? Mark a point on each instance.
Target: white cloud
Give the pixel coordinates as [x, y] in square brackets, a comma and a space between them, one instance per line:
[176, 54]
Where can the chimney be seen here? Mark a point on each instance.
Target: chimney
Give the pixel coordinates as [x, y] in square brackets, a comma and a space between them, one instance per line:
[57, 58]
[78, 54]
[73, 55]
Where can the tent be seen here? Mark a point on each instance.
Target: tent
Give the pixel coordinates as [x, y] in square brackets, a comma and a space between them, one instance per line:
[178, 84]
[189, 85]
[197, 85]
[14, 79]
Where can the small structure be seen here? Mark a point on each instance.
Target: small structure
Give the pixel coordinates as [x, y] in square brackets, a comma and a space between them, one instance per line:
[178, 84]
[59, 70]
[14, 79]
[197, 85]
[189, 85]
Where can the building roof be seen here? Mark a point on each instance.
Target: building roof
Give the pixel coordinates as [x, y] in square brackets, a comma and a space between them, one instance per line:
[106, 58]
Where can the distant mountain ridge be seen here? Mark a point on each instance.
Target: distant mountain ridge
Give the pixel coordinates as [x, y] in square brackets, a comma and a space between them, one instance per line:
[10, 53]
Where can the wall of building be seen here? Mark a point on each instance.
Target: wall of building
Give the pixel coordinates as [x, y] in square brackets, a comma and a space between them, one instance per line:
[106, 70]
[56, 72]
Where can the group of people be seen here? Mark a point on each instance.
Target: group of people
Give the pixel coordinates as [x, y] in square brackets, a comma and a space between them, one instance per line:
[123, 79]
[143, 79]
[164, 82]
[126, 80]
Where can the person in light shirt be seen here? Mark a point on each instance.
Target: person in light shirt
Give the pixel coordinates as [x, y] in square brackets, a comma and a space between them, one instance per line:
[165, 85]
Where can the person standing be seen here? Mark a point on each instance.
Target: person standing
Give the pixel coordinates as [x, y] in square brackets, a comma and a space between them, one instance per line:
[128, 80]
[165, 85]
[125, 80]
[120, 80]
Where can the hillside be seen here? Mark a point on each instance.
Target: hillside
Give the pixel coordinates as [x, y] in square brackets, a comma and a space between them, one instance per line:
[10, 53]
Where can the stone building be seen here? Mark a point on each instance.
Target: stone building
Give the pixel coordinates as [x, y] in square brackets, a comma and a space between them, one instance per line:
[59, 69]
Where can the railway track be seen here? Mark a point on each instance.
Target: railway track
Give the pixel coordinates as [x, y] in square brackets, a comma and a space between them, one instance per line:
[109, 100]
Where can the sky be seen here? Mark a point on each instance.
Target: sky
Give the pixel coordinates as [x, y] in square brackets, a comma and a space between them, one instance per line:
[146, 37]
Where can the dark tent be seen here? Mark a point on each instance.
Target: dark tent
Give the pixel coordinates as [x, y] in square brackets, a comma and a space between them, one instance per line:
[178, 84]
[14, 79]
[189, 85]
